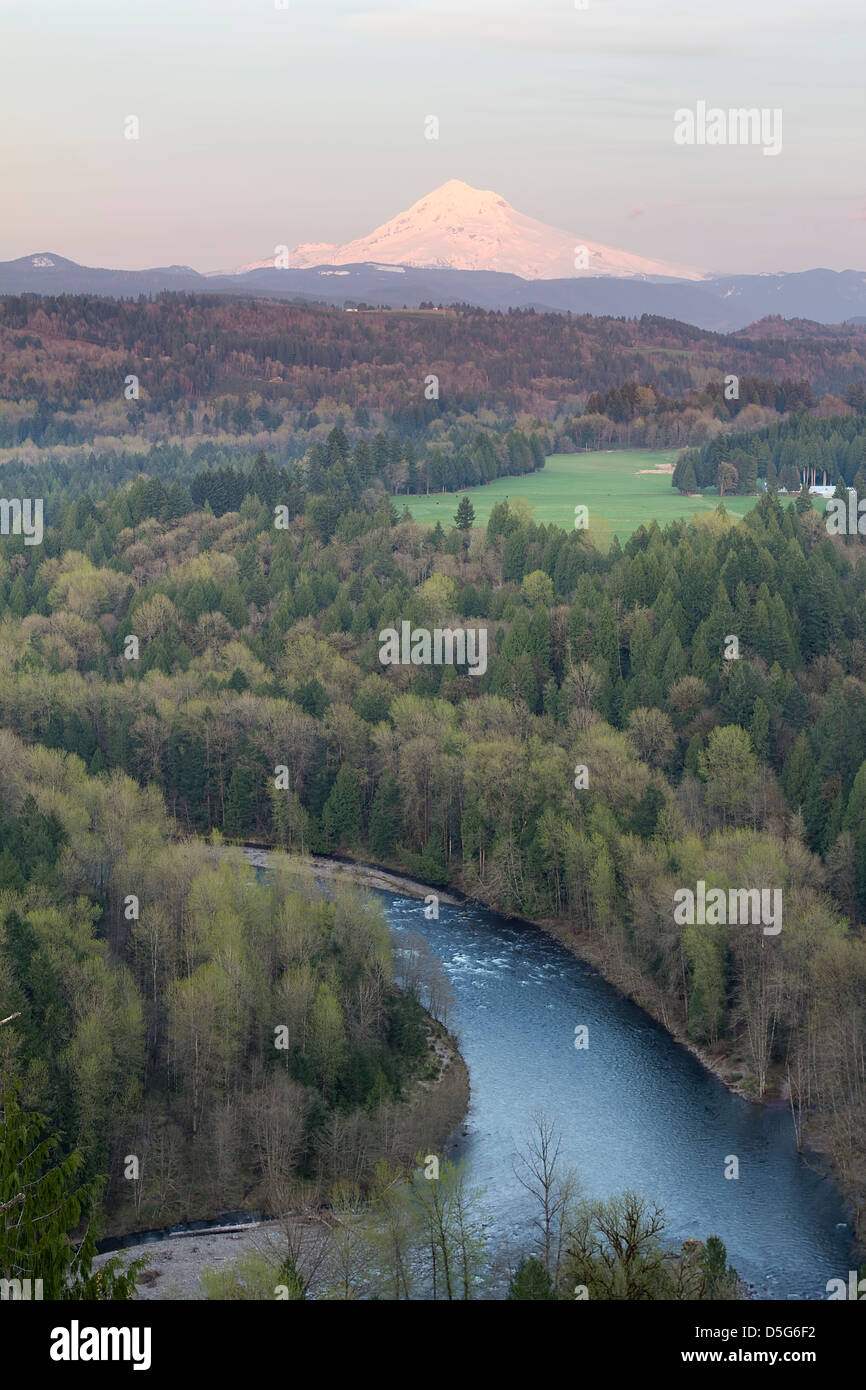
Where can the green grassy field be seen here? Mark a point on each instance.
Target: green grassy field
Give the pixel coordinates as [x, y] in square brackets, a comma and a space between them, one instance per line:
[610, 485]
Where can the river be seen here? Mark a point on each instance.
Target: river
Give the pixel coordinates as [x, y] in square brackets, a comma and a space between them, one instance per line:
[636, 1109]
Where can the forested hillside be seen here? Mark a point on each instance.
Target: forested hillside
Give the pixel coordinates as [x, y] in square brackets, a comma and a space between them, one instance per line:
[238, 1039]
[254, 702]
[95, 391]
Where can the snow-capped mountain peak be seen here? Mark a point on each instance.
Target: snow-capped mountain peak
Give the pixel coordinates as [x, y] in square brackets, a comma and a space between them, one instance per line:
[459, 227]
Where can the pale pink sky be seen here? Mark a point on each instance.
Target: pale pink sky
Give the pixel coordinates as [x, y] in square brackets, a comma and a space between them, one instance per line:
[262, 126]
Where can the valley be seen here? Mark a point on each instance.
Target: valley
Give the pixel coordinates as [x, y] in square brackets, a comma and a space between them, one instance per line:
[621, 489]
[432, 675]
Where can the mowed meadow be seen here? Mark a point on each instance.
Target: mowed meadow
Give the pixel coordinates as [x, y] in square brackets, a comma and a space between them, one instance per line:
[619, 495]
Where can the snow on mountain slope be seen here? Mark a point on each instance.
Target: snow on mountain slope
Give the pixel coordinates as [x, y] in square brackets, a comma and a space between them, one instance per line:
[458, 227]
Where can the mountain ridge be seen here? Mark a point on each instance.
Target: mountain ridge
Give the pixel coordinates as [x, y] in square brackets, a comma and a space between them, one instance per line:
[719, 304]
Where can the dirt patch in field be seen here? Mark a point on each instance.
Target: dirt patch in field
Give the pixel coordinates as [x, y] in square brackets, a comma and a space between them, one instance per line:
[662, 468]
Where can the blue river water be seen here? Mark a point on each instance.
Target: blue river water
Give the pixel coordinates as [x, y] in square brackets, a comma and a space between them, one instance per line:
[636, 1109]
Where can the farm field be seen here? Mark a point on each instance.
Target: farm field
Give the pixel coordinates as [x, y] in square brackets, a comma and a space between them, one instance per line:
[619, 497]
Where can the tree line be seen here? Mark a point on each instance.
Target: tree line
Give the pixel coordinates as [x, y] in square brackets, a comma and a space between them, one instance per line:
[797, 452]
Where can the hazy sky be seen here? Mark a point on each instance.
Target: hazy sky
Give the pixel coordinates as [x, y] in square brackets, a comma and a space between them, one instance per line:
[262, 125]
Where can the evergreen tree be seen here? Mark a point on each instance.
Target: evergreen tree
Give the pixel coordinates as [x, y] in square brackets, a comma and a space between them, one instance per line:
[686, 481]
[385, 817]
[802, 788]
[240, 801]
[42, 1202]
[464, 517]
[722, 1279]
[759, 729]
[855, 823]
[237, 681]
[645, 818]
[531, 1281]
[341, 818]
